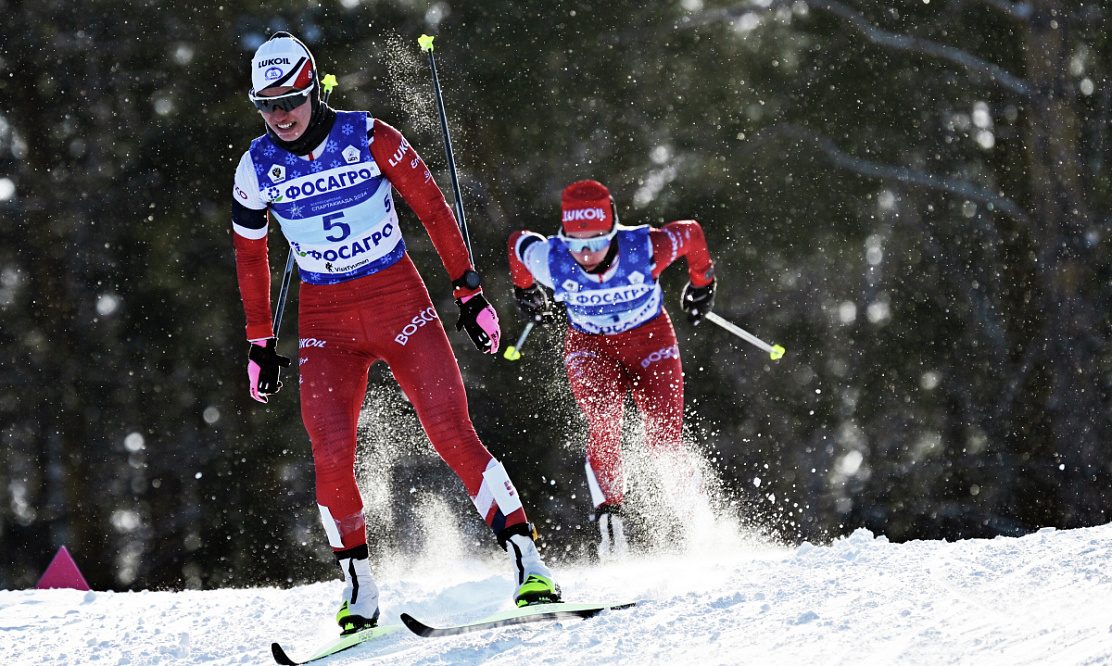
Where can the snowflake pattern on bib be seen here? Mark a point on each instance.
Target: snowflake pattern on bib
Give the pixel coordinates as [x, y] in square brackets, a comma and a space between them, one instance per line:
[627, 298]
[336, 211]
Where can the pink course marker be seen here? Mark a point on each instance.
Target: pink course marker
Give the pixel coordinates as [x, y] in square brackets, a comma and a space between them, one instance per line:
[62, 573]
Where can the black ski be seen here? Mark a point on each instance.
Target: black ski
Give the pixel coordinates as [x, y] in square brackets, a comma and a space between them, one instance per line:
[527, 614]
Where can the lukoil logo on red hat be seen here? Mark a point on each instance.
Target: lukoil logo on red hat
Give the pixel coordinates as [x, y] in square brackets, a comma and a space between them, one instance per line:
[585, 206]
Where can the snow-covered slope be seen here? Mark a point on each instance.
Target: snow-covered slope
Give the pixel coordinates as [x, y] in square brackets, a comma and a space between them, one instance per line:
[1045, 598]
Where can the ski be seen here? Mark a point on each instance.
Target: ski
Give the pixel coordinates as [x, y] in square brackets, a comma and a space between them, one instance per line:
[335, 645]
[527, 614]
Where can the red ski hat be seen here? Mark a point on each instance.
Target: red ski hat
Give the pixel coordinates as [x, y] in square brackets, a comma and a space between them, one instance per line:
[585, 206]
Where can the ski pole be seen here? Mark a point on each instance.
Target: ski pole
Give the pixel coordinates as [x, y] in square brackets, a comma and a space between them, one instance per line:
[774, 351]
[327, 83]
[513, 352]
[425, 42]
[280, 308]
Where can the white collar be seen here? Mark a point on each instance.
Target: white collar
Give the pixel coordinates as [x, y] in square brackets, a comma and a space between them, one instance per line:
[316, 152]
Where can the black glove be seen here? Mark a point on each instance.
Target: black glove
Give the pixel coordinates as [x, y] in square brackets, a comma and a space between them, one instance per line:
[479, 319]
[697, 301]
[534, 304]
[268, 364]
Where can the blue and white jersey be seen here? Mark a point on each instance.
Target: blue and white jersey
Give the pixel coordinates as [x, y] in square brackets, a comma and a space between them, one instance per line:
[337, 211]
[622, 298]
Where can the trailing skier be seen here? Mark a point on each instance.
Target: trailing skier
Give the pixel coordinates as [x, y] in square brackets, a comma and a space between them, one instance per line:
[619, 339]
[328, 177]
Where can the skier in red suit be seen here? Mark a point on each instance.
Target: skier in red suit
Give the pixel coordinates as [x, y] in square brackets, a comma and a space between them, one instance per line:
[619, 338]
[328, 177]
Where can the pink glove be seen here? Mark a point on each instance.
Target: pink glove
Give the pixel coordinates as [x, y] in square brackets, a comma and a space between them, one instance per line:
[479, 319]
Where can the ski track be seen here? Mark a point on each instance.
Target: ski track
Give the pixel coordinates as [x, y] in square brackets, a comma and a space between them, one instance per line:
[1045, 598]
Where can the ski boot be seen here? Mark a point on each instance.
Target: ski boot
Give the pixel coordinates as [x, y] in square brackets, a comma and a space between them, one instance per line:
[534, 580]
[612, 544]
[692, 505]
[359, 609]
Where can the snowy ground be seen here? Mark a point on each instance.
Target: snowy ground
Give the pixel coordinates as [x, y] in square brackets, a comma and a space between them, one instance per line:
[1041, 599]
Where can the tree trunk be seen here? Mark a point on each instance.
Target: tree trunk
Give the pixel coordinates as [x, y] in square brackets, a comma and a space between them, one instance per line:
[1074, 399]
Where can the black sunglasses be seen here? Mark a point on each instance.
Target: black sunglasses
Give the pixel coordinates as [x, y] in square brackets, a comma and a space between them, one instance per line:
[287, 102]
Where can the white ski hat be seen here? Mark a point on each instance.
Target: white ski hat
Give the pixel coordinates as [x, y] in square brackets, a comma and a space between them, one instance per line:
[282, 61]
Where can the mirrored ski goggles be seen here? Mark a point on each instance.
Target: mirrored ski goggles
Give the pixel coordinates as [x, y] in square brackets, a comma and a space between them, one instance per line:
[587, 244]
[287, 102]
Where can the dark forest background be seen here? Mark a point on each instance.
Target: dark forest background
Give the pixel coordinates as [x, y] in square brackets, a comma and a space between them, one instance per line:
[911, 196]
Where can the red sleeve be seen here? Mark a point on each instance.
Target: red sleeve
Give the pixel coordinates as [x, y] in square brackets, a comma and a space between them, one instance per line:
[683, 238]
[253, 271]
[407, 172]
[518, 271]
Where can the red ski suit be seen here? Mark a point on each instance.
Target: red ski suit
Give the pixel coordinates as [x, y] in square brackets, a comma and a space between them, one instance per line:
[644, 360]
[387, 316]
